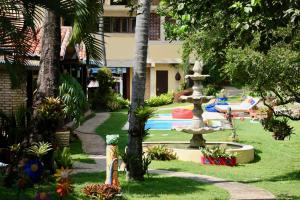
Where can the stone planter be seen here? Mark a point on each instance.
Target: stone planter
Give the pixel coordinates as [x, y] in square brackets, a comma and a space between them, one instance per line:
[63, 138]
[218, 161]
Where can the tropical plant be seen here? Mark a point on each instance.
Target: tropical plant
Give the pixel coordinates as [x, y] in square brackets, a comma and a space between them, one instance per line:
[116, 102]
[50, 114]
[39, 149]
[216, 152]
[160, 100]
[101, 191]
[73, 97]
[14, 127]
[278, 126]
[63, 158]
[161, 152]
[64, 185]
[135, 131]
[85, 15]
[103, 93]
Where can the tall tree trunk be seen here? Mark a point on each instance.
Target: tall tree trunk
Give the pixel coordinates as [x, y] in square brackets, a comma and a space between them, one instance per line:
[47, 83]
[101, 32]
[135, 136]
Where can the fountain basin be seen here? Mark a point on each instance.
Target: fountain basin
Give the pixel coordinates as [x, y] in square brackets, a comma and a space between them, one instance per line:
[244, 152]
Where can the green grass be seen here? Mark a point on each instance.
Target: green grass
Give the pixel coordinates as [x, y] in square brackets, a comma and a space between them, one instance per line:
[276, 166]
[154, 187]
[78, 154]
[114, 125]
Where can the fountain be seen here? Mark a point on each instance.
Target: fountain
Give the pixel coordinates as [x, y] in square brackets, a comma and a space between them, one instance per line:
[198, 127]
[189, 151]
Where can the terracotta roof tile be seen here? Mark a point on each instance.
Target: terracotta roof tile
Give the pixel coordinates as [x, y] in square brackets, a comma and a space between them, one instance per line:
[66, 32]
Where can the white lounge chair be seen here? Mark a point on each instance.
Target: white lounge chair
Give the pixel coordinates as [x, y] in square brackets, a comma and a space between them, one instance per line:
[245, 106]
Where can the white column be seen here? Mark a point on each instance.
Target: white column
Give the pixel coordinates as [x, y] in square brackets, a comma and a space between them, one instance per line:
[162, 30]
[121, 85]
[152, 80]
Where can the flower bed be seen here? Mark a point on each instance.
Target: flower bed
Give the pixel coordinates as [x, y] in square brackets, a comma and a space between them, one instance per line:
[217, 155]
[218, 161]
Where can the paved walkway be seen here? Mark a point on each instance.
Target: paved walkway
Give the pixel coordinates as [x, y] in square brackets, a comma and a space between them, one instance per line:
[237, 191]
[94, 145]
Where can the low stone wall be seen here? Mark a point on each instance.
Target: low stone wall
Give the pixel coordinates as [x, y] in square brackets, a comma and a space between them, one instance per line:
[245, 153]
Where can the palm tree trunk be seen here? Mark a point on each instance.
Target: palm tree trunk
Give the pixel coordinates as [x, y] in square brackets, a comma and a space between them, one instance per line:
[134, 151]
[47, 83]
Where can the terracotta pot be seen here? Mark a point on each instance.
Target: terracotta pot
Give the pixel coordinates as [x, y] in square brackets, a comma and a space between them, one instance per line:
[63, 138]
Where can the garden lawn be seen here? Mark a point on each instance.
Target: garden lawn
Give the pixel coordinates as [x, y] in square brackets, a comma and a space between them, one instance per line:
[154, 188]
[276, 166]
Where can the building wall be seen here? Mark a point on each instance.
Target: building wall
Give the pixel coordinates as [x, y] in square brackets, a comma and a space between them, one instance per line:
[10, 99]
[150, 87]
[121, 46]
[173, 85]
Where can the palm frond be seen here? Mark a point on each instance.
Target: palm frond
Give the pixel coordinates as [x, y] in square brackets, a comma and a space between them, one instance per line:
[87, 13]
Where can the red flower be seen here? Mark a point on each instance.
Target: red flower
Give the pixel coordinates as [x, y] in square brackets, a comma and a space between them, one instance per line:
[63, 188]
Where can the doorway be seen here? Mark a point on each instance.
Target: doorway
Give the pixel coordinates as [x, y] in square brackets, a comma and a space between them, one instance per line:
[161, 82]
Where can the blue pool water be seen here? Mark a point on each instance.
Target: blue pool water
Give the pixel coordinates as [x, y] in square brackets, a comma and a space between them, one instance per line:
[166, 124]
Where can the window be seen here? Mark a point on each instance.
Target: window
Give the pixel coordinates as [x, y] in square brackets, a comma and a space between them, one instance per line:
[119, 24]
[118, 2]
[154, 29]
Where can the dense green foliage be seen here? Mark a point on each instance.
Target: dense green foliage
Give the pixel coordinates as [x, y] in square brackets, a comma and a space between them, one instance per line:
[249, 42]
[104, 97]
[73, 97]
[163, 99]
[63, 158]
[279, 127]
[14, 127]
[161, 152]
[116, 102]
[216, 152]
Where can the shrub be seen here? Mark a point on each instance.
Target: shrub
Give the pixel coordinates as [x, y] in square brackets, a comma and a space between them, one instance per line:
[211, 90]
[101, 191]
[279, 127]
[116, 102]
[161, 152]
[100, 96]
[63, 158]
[50, 114]
[163, 99]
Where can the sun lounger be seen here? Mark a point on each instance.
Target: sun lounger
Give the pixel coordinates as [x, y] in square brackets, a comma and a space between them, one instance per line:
[245, 106]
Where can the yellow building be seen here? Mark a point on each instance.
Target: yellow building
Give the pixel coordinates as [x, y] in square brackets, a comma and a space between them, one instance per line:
[163, 56]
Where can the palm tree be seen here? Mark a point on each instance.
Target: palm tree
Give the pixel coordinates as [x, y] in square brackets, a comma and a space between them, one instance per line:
[86, 14]
[47, 82]
[135, 136]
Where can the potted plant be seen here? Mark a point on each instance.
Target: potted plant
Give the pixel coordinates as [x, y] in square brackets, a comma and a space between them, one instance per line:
[279, 127]
[217, 156]
[51, 116]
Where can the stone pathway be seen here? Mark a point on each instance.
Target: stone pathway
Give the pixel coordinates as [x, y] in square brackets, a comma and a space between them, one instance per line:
[94, 145]
[237, 191]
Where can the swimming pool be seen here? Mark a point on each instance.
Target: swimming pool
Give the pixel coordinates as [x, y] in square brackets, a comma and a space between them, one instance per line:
[165, 122]
[154, 124]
